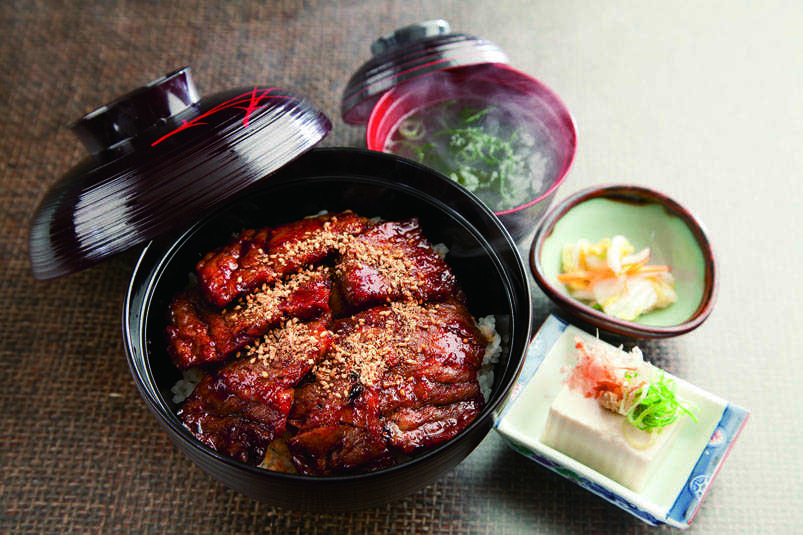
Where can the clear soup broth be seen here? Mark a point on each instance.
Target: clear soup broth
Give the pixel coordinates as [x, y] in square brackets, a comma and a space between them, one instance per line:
[500, 155]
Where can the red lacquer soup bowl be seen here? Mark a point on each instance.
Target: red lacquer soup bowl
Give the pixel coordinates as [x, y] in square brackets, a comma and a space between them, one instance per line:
[532, 108]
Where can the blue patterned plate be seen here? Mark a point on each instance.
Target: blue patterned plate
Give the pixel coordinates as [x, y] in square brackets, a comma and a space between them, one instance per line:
[675, 490]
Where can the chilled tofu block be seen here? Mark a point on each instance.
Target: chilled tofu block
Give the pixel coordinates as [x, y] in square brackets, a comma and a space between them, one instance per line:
[603, 440]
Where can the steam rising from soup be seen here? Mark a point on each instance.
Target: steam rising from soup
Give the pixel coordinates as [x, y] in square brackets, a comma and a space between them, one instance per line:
[497, 152]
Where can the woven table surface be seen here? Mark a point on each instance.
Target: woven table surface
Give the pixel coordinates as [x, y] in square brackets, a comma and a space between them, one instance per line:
[703, 101]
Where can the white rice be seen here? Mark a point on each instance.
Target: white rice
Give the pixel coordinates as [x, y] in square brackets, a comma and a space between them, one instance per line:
[184, 387]
[441, 249]
[322, 212]
[487, 326]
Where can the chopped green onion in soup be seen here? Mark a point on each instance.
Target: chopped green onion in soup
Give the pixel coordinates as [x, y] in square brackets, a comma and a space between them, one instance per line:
[487, 149]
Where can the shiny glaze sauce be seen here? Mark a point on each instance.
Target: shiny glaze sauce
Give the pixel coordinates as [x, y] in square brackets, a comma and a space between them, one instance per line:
[330, 345]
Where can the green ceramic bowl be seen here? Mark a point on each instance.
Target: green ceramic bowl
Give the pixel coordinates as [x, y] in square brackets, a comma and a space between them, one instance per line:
[648, 219]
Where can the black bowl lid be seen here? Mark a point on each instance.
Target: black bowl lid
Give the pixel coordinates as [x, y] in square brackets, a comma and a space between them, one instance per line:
[407, 53]
[160, 158]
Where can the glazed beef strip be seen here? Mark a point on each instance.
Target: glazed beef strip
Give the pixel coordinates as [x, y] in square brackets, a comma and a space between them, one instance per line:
[400, 376]
[337, 413]
[198, 333]
[433, 393]
[265, 255]
[241, 408]
[347, 438]
[392, 262]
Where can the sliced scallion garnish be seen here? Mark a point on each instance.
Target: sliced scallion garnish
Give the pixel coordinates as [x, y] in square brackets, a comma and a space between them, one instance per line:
[658, 406]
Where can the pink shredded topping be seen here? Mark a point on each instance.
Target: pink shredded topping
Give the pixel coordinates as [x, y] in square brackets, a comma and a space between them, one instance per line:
[593, 375]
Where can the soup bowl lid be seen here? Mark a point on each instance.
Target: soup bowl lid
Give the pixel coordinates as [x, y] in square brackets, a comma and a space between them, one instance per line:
[408, 53]
[160, 157]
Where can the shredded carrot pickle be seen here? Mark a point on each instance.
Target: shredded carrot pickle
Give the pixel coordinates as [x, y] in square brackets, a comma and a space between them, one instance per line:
[612, 277]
